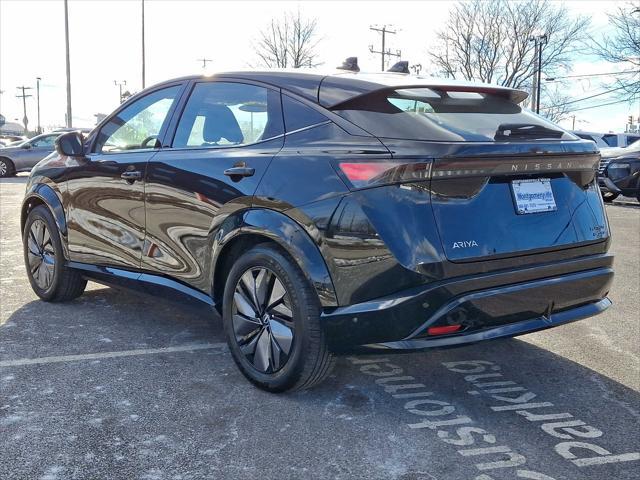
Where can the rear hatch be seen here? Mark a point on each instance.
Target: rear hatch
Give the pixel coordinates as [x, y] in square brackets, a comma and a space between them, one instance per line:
[504, 205]
[503, 181]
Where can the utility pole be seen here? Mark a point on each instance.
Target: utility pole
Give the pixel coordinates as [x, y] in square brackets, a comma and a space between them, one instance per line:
[24, 96]
[573, 122]
[66, 41]
[38, 102]
[143, 59]
[539, 42]
[204, 62]
[119, 85]
[384, 52]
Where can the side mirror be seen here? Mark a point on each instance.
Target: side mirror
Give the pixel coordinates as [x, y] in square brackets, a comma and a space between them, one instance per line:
[70, 144]
[26, 146]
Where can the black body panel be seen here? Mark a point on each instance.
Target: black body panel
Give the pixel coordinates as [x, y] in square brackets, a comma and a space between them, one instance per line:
[384, 257]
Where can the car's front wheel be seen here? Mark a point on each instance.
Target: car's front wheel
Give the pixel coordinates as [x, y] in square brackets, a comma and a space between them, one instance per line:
[271, 316]
[50, 278]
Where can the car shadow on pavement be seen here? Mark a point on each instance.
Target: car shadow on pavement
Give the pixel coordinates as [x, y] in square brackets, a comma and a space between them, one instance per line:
[373, 409]
[14, 180]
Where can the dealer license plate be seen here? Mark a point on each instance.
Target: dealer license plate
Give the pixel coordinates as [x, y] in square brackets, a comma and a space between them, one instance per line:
[533, 196]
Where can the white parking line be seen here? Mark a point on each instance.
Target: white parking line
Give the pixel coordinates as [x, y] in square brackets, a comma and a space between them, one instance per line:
[97, 356]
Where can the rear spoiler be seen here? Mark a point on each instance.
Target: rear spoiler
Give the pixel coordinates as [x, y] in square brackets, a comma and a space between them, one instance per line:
[338, 89]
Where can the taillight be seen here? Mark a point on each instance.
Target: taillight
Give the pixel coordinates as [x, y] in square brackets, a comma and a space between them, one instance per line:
[367, 173]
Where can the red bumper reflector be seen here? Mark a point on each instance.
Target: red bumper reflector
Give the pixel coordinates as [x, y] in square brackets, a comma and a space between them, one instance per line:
[443, 330]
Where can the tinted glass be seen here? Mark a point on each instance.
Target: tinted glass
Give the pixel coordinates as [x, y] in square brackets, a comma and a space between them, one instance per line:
[612, 140]
[426, 114]
[297, 115]
[220, 114]
[138, 125]
[584, 136]
[47, 141]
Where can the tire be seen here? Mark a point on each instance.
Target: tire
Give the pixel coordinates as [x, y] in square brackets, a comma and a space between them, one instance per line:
[6, 168]
[609, 197]
[48, 275]
[279, 347]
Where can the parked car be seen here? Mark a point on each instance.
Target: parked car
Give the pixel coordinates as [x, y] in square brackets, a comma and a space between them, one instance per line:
[619, 172]
[322, 213]
[597, 138]
[620, 139]
[23, 156]
[9, 140]
[608, 140]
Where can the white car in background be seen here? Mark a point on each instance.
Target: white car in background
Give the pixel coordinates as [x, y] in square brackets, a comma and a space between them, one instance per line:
[608, 140]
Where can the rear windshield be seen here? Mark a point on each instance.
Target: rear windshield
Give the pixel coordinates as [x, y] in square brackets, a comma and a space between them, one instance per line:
[437, 115]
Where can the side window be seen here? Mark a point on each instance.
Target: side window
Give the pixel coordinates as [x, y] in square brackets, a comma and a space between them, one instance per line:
[138, 125]
[223, 114]
[612, 140]
[584, 136]
[297, 115]
[47, 141]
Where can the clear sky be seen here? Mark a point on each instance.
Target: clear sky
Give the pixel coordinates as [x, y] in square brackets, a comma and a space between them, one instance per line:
[106, 45]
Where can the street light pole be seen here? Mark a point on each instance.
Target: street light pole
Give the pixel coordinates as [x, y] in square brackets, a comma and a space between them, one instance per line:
[539, 40]
[66, 40]
[143, 57]
[38, 102]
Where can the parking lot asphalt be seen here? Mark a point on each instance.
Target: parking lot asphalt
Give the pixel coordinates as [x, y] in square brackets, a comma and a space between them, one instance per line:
[119, 386]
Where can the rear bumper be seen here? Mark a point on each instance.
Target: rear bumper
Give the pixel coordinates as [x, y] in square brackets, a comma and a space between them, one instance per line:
[487, 306]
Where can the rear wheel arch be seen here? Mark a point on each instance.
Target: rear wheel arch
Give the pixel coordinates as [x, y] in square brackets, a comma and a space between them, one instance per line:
[263, 226]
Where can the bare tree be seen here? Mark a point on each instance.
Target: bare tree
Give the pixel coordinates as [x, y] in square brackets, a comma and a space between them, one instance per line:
[289, 42]
[622, 47]
[555, 104]
[491, 41]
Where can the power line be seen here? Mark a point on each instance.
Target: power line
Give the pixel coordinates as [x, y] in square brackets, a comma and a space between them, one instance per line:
[553, 79]
[598, 106]
[585, 98]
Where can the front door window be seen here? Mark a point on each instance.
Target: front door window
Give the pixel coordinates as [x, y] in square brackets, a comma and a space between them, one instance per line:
[137, 126]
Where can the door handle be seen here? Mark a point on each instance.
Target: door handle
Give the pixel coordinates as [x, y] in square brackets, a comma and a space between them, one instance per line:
[239, 172]
[131, 175]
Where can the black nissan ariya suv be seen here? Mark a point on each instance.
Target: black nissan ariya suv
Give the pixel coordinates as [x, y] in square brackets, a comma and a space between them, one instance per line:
[320, 213]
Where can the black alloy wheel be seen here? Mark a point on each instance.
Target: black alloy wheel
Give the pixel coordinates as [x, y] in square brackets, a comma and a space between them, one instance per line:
[48, 274]
[40, 254]
[262, 319]
[271, 315]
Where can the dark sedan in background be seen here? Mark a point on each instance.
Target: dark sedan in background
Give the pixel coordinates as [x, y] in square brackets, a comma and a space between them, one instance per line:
[619, 172]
